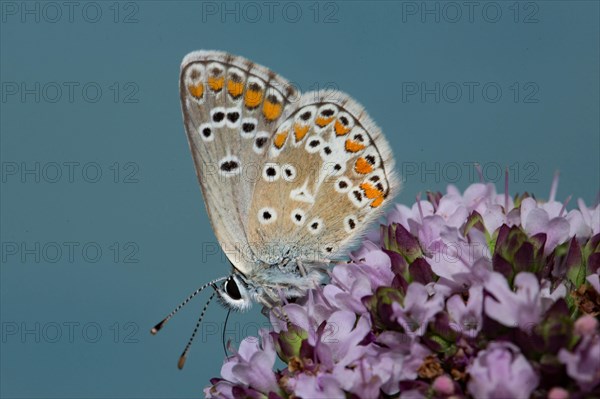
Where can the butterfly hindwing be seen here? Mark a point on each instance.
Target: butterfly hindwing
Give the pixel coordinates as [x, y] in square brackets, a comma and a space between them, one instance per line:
[231, 108]
[329, 172]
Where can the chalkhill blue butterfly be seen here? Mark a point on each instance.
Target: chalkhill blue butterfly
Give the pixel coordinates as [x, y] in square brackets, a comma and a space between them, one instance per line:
[290, 180]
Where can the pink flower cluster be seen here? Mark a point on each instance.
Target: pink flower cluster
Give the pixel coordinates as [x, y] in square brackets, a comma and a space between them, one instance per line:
[461, 295]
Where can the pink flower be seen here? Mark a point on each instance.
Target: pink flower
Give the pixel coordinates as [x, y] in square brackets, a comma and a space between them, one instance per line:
[452, 210]
[343, 337]
[384, 322]
[459, 261]
[417, 310]
[590, 216]
[501, 371]
[583, 364]
[467, 317]
[536, 219]
[410, 217]
[252, 365]
[319, 386]
[368, 369]
[366, 374]
[523, 308]
[350, 285]
[378, 268]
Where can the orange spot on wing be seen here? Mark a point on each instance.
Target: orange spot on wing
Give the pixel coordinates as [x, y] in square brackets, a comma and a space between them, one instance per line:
[354, 146]
[271, 111]
[300, 131]
[216, 84]
[340, 129]
[370, 191]
[252, 98]
[377, 202]
[362, 166]
[280, 139]
[235, 88]
[323, 121]
[196, 90]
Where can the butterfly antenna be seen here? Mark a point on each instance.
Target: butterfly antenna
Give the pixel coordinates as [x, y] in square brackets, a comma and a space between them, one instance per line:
[183, 356]
[225, 329]
[160, 325]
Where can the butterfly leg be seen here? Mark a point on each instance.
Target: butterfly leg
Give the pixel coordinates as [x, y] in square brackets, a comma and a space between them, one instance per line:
[277, 311]
[301, 268]
[265, 311]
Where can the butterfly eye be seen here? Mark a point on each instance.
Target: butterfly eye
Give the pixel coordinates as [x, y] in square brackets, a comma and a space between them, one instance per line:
[232, 290]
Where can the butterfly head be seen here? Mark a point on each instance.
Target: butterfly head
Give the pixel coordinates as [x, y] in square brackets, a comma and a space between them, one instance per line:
[235, 293]
[269, 285]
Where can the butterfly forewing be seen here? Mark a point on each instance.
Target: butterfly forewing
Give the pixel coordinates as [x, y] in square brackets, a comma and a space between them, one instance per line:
[231, 108]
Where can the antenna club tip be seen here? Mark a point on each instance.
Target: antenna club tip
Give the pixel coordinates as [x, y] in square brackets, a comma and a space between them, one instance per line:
[158, 327]
[181, 362]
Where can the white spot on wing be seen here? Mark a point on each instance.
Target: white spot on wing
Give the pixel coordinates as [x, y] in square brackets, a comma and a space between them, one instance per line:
[271, 172]
[206, 133]
[229, 166]
[267, 215]
[248, 128]
[350, 223]
[233, 117]
[262, 138]
[343, 185]
[315, 225]
[298, 216]
[301, 194]
[288, 172]
[217, 116]
[313, 144]
[357, 198]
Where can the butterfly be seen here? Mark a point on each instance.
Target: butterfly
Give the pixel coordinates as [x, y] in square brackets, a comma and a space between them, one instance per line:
[290, 180]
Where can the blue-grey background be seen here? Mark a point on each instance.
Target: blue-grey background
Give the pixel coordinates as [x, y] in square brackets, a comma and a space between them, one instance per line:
[90, 262]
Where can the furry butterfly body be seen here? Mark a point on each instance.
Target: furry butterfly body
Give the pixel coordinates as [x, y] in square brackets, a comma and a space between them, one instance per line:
[289, 180]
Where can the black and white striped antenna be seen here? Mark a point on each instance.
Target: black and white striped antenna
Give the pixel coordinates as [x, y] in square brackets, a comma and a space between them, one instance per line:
[183, 356]
[160, 325]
